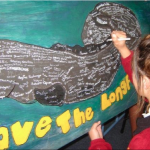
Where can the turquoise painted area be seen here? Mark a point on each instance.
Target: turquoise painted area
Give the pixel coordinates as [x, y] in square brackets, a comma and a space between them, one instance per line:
[45, 23]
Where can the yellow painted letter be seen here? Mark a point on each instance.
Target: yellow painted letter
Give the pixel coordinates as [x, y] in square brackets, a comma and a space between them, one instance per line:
[20, 134]
[4, 142]
[112, 97]
[128, 82]
[43, 126]
[63, 121]
[119, 92]
[89, 113]
[105, 103]
[123, 87]
[79, 117]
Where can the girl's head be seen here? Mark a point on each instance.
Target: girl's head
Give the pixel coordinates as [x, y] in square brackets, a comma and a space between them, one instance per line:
[141, 68]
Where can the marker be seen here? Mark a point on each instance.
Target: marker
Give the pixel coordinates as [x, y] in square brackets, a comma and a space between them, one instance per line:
[120, 39]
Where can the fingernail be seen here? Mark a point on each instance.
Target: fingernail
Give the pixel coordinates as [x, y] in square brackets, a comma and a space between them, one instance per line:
[113, 35]
[99, 122]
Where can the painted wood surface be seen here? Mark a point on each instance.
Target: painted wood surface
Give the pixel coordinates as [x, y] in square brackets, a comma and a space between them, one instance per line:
[35, 126]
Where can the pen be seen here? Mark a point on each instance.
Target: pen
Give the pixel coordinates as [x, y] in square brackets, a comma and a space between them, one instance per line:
[120, 39]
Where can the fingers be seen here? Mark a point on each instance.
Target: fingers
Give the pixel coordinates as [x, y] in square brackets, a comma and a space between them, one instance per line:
[118, 34]
[114, 37]
[119, 44]
[95, 125]
[99, 130]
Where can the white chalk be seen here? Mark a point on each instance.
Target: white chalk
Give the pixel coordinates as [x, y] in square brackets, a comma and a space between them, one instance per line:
[120, 39]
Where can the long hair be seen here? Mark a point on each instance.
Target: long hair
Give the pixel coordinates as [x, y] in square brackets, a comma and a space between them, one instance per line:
[141, 66]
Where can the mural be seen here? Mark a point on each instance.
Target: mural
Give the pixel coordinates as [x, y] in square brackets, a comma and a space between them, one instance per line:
[39, 34]
[64, 74]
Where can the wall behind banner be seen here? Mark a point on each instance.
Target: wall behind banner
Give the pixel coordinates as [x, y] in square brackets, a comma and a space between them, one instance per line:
[35, 126]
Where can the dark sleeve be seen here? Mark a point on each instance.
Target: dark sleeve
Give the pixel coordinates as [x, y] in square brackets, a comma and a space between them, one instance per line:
[127, 65]
[99, 144]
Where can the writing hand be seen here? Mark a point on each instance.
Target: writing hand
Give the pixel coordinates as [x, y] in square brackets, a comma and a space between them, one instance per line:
[120, 45]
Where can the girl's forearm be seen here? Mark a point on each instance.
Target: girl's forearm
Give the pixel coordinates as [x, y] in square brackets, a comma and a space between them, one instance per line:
[125, 52]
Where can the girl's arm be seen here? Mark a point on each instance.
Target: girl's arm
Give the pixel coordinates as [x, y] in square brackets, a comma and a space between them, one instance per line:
[126, 54]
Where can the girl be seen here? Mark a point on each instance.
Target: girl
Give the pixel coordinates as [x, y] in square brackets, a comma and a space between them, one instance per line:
[141, 80]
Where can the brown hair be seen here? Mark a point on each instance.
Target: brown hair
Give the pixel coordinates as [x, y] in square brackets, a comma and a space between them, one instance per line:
[141, 65]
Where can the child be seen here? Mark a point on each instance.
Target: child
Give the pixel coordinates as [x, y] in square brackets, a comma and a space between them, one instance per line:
[141, 80]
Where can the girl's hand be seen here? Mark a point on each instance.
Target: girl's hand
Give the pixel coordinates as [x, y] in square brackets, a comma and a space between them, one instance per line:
[118, 34]
[95, 131]
[120, 45]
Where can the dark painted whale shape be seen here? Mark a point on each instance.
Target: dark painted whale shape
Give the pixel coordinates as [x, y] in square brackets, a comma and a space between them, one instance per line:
[66, 74]
[79, 74]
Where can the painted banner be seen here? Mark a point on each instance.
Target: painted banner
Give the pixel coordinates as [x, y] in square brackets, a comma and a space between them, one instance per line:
[58, 72]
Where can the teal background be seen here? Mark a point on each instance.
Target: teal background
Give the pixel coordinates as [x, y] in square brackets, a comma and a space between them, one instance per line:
[45, 23]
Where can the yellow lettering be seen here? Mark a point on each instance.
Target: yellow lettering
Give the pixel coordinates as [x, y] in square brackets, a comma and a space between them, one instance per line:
[123, 87]
[119, 92]
[63, 121]
[105, 103]
[43, 126]
[127, 82]
[79, 117]
[117, 95]
[89, 113]
[20, 134]
[112, 97]
[4, 142]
